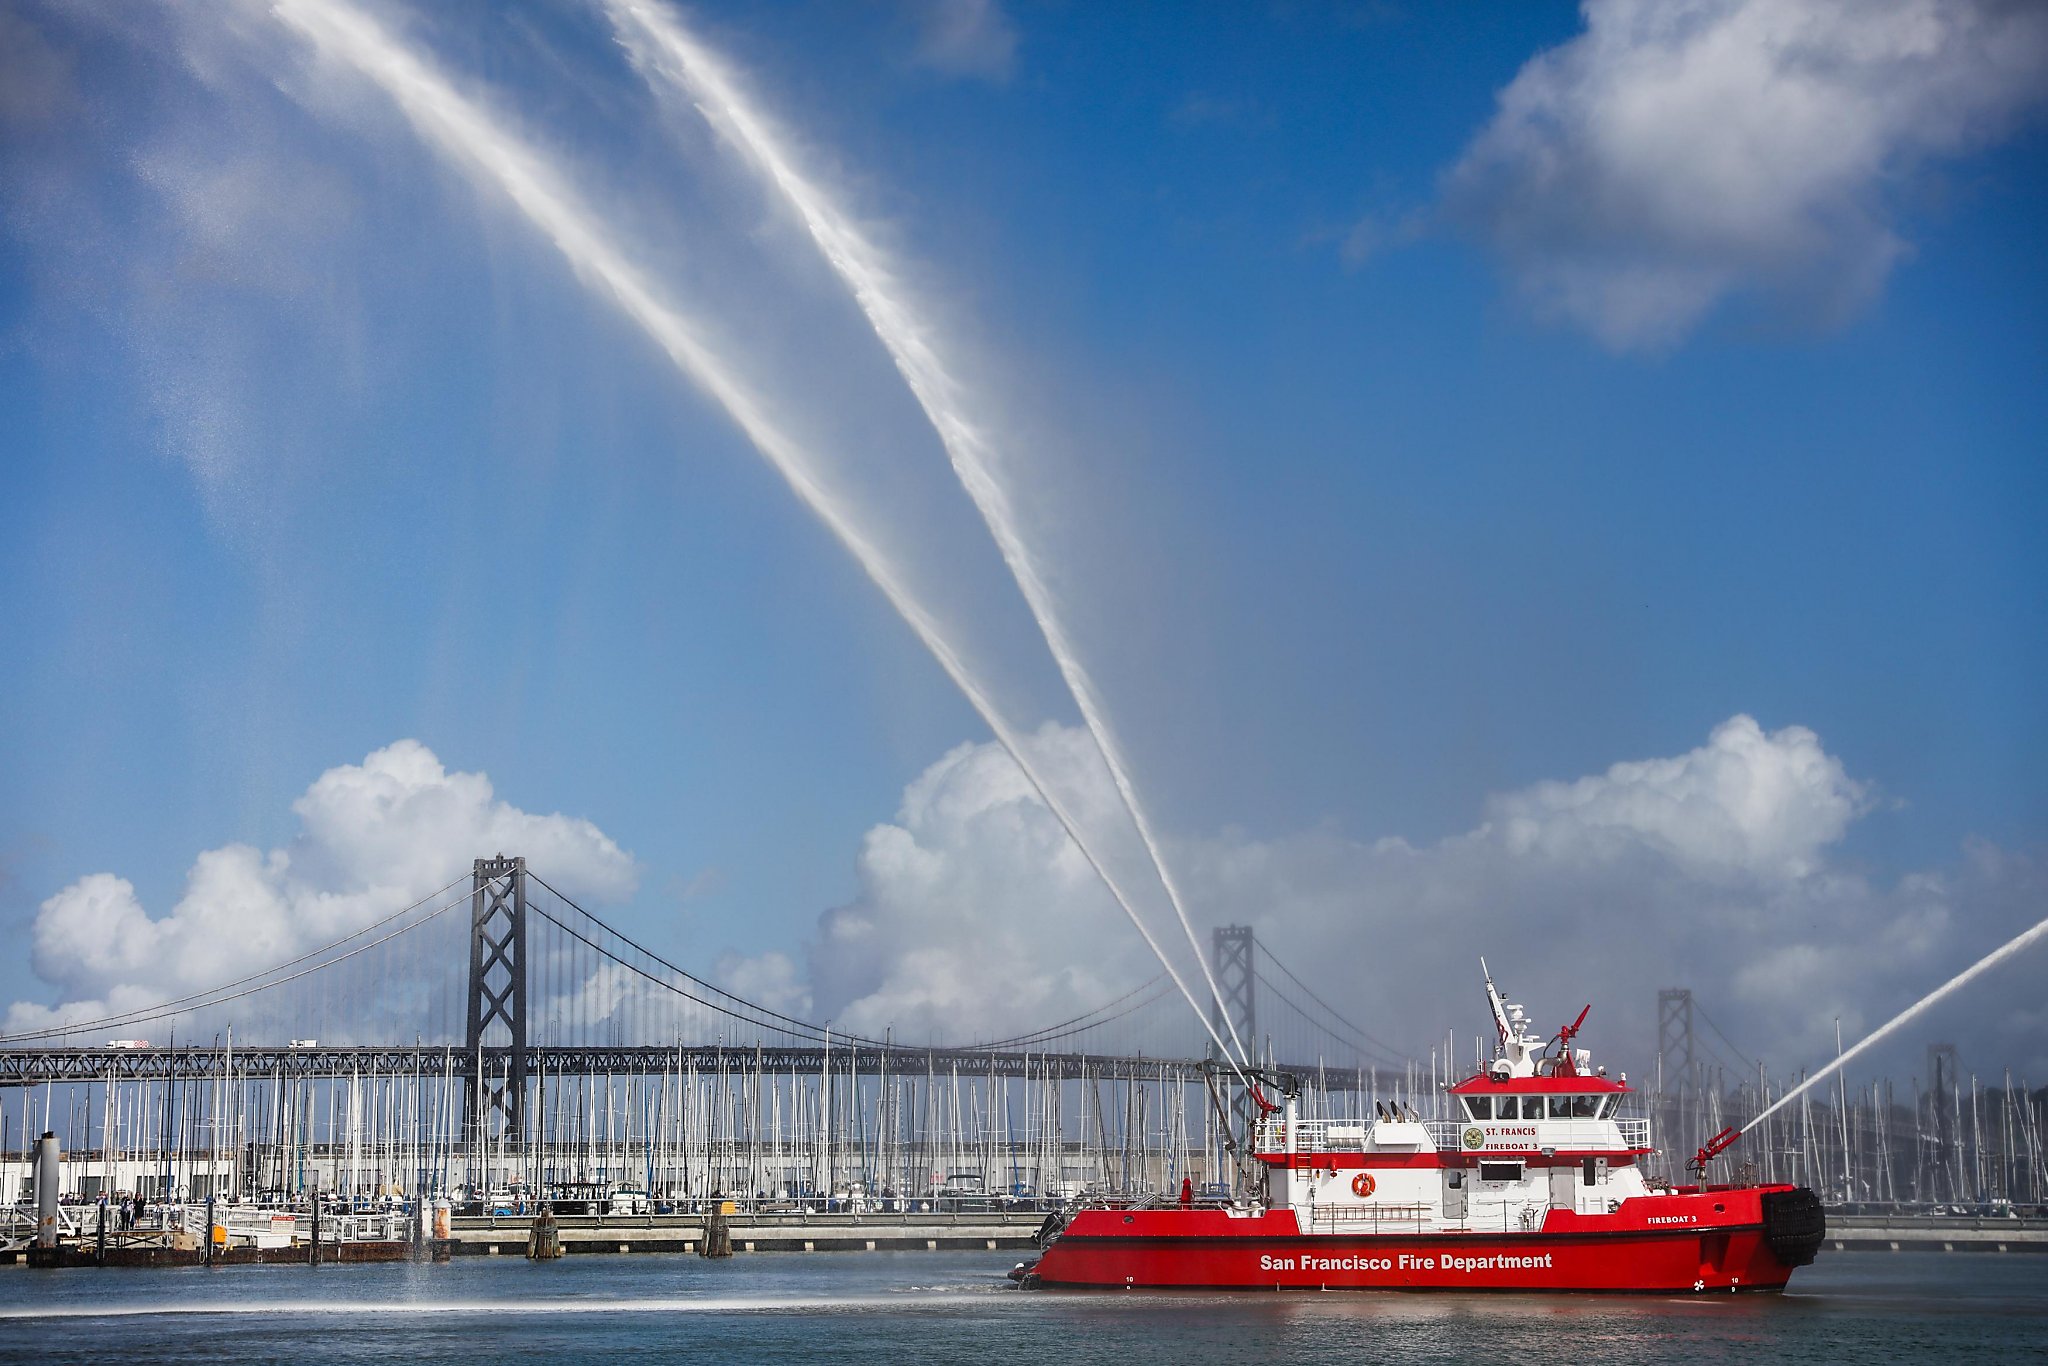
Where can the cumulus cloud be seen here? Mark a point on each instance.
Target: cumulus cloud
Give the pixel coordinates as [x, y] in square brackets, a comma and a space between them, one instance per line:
[973, 879]
[1745, 804]
[968, 38]
[1678, 153]
[770, 979]
[1718, 869]
[373, 837]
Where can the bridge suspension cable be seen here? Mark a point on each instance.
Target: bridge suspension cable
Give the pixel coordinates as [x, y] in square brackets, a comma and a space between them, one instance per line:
[754, 1013]
[577, 989]
[1362, 1041]
[227, 992]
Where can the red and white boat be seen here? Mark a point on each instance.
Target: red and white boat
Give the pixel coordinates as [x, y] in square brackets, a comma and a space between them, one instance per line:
[1536, 1183]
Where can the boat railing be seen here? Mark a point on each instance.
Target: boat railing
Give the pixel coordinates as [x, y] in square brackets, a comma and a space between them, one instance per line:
[1589, 1134]
[1375, 1218]
[1446, 1135]
[1312, 1135]
[1480, 1216]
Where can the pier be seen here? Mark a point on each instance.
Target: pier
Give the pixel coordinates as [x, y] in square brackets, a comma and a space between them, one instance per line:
[1934, 1233]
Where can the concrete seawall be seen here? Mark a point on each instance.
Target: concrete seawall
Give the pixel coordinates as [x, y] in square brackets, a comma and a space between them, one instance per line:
[1883, 1233]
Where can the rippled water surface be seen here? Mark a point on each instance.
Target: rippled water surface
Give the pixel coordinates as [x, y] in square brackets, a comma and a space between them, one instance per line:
[950, 1306]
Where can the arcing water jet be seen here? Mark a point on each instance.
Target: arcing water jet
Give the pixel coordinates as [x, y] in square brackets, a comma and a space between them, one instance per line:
[664, 51]
[463, 133]
[2011, 948]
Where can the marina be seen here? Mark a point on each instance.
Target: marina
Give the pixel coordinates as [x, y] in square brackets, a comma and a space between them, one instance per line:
[362, 1152]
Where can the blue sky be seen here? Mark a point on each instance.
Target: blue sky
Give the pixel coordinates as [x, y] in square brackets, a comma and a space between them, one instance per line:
[313, 446]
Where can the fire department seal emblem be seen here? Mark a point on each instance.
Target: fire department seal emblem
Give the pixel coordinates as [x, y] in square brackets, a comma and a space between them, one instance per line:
[1475, 1137]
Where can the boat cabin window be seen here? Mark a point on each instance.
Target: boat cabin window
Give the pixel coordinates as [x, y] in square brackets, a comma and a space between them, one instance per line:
[1573, 1106]
[1576, 1105]
[1500, 1171]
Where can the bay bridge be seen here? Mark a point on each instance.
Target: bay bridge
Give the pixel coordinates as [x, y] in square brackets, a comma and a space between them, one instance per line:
[572, 1060]
[552, 1056]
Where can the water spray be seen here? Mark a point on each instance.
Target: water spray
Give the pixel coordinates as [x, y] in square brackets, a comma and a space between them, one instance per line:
[660, 47]
[468, 136]
[1722, 1141]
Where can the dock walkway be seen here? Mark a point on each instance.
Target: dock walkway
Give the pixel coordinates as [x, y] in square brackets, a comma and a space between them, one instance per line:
[505, 1235]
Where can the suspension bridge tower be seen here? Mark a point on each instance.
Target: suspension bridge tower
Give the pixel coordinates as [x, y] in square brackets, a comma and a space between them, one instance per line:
[1232, 955]
[1231, 951]
[1675, 1063]
[497, 998]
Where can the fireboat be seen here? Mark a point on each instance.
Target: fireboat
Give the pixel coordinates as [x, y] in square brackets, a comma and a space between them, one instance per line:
[1535, 1184]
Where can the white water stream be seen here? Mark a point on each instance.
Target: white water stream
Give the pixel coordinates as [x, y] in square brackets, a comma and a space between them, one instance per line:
[1954, 984]
[665, 53]
[468, 136]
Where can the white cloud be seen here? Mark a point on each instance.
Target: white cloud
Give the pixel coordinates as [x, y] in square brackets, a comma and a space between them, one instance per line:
[373, 837]
[770, 979]
[977, 915]
[1745, 804]
[1682, 151]
[1718, 869]
[972, 38]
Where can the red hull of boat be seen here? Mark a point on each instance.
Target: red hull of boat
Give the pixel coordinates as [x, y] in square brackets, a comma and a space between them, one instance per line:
[1661, 1244]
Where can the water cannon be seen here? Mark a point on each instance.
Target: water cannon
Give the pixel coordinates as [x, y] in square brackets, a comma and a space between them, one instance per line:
[1571, 1062]
[1714, 1147]
[1286, 1083]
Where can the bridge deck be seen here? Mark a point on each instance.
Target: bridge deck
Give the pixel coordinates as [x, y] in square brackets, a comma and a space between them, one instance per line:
[36, 1066]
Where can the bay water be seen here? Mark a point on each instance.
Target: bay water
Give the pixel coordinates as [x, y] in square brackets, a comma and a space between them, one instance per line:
[951, 1307]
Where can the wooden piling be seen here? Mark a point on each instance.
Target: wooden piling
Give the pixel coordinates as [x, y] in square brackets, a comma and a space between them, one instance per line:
[544, 1236]
[717, 1240]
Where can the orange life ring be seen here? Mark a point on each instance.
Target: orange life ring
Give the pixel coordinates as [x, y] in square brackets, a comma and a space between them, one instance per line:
[1362, 1185]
